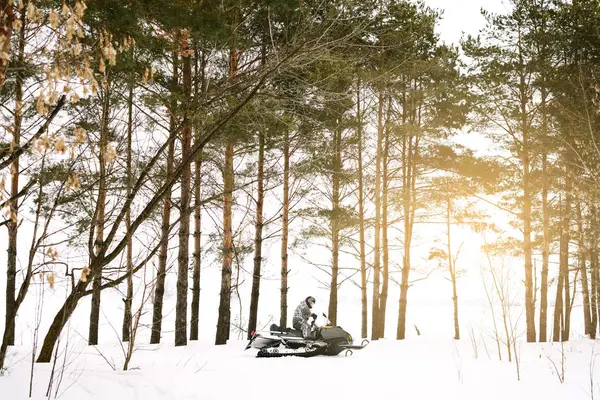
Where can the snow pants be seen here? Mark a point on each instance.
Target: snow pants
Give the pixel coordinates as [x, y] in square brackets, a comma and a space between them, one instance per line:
[307, 331]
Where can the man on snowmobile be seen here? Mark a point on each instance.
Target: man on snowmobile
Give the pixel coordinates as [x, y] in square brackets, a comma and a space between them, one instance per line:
[302, 315]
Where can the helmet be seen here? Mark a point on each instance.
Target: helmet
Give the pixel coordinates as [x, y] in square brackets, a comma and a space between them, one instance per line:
[310, 301]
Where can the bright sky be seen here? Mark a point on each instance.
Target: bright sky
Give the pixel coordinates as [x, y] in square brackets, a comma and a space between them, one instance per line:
[463, 16]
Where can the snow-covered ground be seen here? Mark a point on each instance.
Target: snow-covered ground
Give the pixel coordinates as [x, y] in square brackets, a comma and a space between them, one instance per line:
[418, 368]
[429, 366]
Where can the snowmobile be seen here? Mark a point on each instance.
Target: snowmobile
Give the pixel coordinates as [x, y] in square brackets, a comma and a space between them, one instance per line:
[325, 340]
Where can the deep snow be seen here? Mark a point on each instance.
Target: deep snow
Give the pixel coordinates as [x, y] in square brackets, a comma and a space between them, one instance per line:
[429, 366]
[418, 368]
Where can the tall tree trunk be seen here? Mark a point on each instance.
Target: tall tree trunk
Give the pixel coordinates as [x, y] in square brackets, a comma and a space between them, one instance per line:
[595, 293]
[194, 322]
[525, 159]
[284, 229]
[565, 254]
[195, 319]
[13, 223]
[224, 319]
[558, 303]
[587, 317]
[566, 322]
[545, 208]
[183, 256]
[408, 188]
[401, 331]
[361, 214]
[18, 302]
[12, 303]
[562, 304]
[99, 220]
[258, 228]
[335, 225]
[545, 251]
[567, 304]
[529, 306]
[166, 221]
[375, 325]
[452, 269]
[384, 223]
[7, 18]
[594, 274]
[129, 298]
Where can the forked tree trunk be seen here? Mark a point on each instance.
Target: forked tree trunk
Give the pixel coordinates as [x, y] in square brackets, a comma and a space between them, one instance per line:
[13, 221]
[166, 221]
[258, 228]
[335, 225]
[183, 256]
[284, 230]
[361, 214]
[128, 300]
[376, 315]
[99, 221]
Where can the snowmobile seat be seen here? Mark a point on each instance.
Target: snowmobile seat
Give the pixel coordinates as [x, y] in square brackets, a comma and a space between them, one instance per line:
[275, 329]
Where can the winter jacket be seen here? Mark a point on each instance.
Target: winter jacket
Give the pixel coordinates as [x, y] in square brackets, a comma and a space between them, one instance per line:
[301, 315]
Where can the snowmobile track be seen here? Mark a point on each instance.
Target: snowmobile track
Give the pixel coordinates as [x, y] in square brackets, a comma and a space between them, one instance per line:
[272, 352]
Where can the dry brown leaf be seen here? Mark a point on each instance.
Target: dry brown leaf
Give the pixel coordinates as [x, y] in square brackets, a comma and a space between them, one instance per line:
[84, 274]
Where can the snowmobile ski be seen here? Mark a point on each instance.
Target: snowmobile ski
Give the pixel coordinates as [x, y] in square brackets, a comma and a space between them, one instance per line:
[363, 344]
